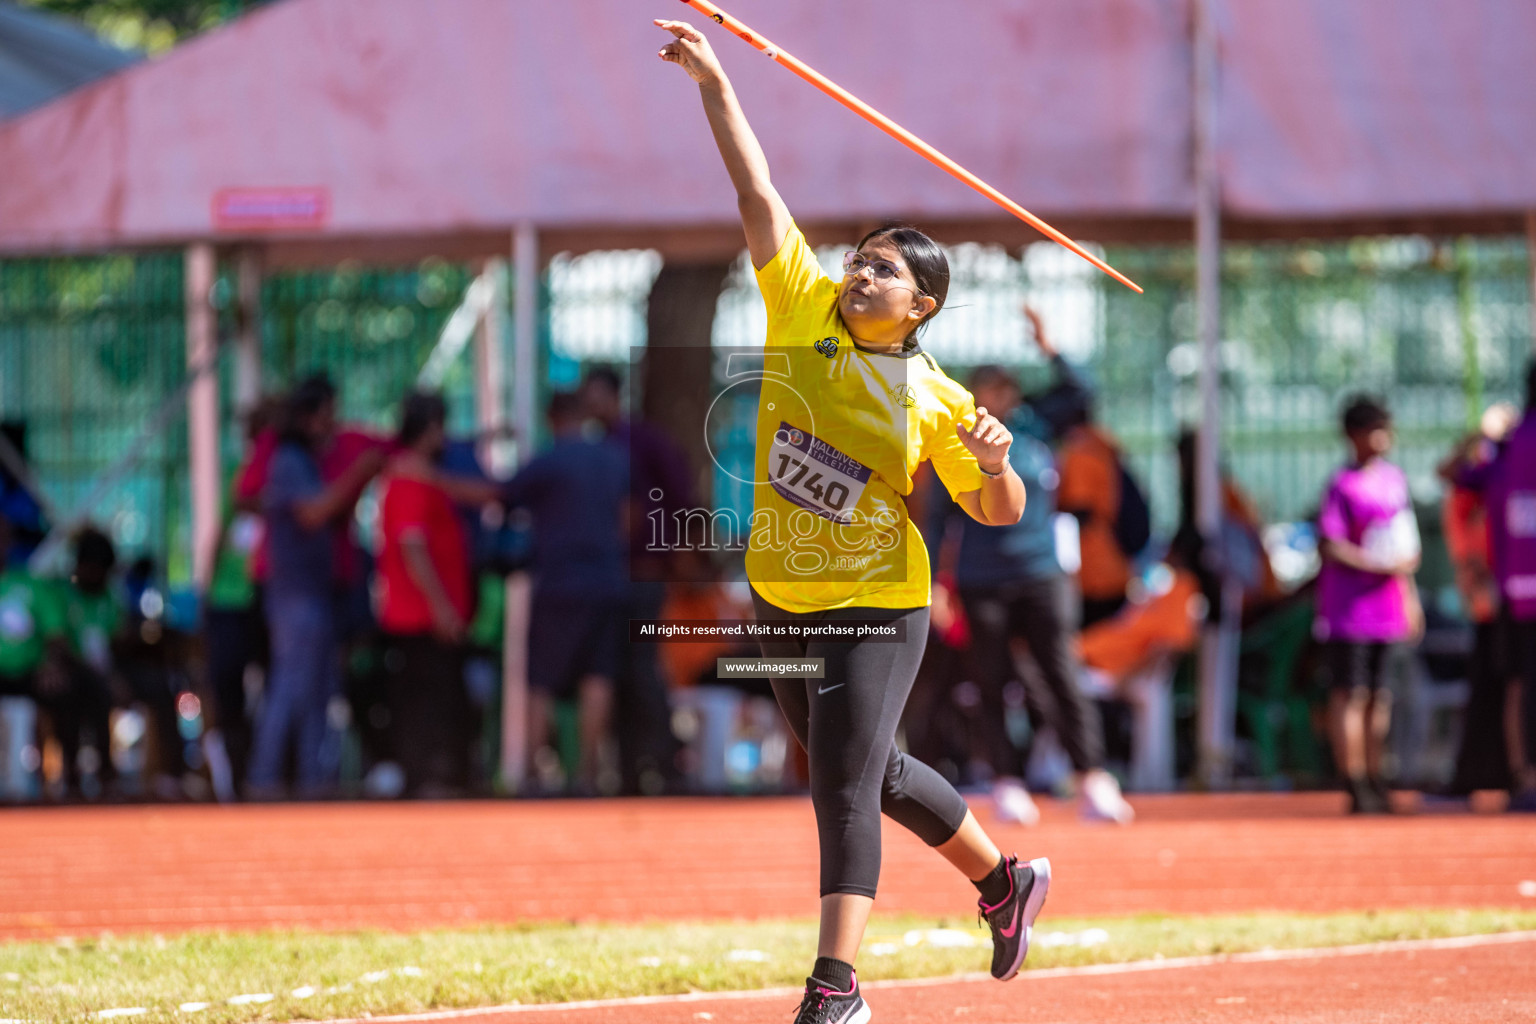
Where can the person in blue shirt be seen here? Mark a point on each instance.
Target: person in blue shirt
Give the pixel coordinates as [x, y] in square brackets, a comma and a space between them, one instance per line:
[1013, 586]
[576, 492]
[302, 513]
[660, 490]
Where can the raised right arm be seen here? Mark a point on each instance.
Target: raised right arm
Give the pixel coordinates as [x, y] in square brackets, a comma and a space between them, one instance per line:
[764, 217]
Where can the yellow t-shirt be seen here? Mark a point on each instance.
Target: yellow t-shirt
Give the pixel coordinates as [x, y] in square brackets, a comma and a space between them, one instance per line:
[840, 431]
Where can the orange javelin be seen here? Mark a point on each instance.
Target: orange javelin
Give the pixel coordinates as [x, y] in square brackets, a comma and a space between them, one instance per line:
[899, 133]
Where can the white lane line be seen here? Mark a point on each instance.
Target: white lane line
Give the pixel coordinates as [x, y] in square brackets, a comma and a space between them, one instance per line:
[1130, 967]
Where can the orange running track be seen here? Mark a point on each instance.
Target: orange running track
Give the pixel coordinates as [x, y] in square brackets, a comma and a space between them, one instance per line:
[1492, 983]
[410, 866]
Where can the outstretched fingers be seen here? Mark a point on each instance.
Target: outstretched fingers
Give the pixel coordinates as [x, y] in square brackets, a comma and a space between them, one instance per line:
[680, 29]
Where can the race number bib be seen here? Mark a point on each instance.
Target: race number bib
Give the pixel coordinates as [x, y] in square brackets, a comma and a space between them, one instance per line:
[810, 473]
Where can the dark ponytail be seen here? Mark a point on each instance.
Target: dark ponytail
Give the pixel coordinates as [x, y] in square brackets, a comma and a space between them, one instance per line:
[926, 260]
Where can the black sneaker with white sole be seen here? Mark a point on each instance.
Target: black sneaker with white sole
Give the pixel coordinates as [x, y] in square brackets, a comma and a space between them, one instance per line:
[1013, 920]
[825, 1005]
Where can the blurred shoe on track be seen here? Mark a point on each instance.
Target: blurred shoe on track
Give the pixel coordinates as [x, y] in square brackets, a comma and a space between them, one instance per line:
[1012, 803]
[1100, 800]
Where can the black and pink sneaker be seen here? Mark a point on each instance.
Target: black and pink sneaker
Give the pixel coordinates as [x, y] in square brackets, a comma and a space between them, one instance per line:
[1013, 920]
[823, 1005]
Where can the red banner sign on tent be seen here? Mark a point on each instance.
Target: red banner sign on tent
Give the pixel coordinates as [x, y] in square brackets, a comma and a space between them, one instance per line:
[271, 209]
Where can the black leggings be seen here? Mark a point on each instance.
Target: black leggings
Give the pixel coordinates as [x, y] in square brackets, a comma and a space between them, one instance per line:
[846, 721]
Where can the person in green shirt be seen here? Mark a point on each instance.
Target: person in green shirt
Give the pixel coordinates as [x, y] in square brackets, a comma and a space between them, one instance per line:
[78, 682]
[234, 638]
[30, 614]
[234, 624]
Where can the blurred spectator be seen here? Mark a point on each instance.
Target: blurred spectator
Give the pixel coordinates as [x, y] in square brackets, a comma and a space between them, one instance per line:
[1483, 760]
[1129, 660]
[426, 601]
[495, 544]
[578, 631]
[1508, 484]
[659, 485]
[79, 677]
[30, 617]
[1166, 623]
[1239, 551]
[18, 492]
[714, 704]
[1110, 509]
[337, 454]
[941, 722]
[26, 620]
[234, 626]
[1366, 600]
[1012, 587]
[151, 654]
[304, 515]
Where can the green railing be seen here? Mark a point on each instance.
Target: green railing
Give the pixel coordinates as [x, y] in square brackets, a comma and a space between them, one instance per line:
[90, 348]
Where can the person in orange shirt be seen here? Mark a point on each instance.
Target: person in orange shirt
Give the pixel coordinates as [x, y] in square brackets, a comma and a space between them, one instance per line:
[1167, 623]
[1089, 462]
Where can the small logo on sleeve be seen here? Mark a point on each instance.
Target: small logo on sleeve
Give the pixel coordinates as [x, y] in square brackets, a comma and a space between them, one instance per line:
[827, 347]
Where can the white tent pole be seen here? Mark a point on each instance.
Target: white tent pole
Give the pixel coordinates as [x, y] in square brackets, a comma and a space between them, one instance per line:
[248, 274]
[525, 336]
[525, 362]
[491, 370]
[1217, 682]
[458, 331]
[202, 411]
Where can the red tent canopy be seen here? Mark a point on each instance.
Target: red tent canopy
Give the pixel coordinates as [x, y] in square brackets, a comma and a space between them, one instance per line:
[331, 126]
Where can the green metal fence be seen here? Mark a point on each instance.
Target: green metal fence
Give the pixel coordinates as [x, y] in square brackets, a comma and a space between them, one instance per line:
[91, 347]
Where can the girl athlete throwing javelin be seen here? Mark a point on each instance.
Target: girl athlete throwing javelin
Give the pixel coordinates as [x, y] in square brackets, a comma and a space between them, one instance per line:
[849, 408]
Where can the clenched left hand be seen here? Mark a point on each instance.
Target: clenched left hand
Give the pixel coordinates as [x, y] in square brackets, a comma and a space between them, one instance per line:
[988, 440]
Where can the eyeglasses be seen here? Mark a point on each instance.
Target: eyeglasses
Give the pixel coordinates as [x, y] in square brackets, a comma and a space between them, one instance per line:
[880, 270]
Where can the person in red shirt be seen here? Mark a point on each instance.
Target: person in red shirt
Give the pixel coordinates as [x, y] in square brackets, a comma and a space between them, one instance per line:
[425, 602]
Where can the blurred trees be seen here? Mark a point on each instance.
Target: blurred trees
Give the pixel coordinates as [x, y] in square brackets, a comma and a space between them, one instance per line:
[148, 25]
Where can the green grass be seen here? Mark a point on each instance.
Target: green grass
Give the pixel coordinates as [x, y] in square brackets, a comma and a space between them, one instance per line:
[379, 973]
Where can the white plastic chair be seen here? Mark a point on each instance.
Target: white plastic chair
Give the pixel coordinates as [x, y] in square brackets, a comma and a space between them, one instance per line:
[1149, 693]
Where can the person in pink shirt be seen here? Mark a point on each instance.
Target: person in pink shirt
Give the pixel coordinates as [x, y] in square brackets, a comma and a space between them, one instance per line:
[1508, 485]
[1366, 600]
